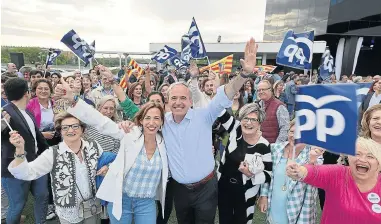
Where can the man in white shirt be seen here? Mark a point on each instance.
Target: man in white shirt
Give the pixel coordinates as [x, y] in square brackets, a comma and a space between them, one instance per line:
[23, 122]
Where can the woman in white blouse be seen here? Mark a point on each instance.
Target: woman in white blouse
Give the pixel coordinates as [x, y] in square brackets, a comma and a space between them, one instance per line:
[72, 165]
[139, 172]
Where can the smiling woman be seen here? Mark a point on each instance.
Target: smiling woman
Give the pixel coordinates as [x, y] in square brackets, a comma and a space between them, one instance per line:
[371, 123]
[352, 192]
[73, 167]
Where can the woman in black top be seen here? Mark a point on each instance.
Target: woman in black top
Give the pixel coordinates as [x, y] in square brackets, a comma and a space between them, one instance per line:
[245, 165]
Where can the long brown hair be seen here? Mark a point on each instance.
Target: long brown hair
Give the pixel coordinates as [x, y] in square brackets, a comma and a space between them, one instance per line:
[365, 130]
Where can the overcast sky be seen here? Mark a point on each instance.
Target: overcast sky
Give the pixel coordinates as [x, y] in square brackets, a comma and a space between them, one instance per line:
[128, 25]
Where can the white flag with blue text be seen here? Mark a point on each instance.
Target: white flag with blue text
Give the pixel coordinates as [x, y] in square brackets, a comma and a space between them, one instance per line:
[327, 65]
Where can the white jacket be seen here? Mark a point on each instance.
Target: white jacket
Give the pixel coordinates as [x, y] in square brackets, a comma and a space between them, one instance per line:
[111, 189]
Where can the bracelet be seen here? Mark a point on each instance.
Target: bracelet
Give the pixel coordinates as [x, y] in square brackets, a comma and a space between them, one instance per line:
[20, 156]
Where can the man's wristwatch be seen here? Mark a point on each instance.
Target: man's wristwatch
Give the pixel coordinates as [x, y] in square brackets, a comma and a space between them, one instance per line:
[20, 156]
[243, 75]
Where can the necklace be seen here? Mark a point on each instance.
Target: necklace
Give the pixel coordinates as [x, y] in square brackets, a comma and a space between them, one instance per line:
[284, 186]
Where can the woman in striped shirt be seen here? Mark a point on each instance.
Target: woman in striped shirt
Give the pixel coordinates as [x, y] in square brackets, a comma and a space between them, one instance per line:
[245, 165]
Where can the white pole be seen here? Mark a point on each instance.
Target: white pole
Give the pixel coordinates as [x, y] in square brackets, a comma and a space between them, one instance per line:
[79, 63]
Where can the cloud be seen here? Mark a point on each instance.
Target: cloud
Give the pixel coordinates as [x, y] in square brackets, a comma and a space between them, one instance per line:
[128, 25]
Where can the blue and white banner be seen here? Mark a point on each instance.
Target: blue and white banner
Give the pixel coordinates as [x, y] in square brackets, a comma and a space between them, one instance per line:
[186, 53]
[327, 65]
[296, 50]
[52, 55]
[79, 46]
[326, 116]
[194, 41]
[177, 62]
[362, 91]
[164, 54]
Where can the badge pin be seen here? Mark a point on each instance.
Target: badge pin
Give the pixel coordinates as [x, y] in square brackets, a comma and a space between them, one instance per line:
[373, 198]
[376, 208]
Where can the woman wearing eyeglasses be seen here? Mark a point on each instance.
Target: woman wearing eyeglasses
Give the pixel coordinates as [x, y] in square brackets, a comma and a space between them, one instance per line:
[245, 165]
[72, 165]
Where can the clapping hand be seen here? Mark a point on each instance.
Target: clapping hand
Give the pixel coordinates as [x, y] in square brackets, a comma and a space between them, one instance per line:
[250, 60]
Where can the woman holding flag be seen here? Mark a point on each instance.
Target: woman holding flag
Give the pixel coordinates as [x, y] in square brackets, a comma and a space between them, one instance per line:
[354, 191]
[285, 200]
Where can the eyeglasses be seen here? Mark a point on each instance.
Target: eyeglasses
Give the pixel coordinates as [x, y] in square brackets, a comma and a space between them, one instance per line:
[73, 126]
[247, 119]
[262, 90]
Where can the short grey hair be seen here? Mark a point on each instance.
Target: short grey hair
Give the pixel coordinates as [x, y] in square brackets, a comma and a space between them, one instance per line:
[252, 108]
[173, 85]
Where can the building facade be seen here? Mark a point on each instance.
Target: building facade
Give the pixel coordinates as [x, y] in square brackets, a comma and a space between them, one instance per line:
[351, 28]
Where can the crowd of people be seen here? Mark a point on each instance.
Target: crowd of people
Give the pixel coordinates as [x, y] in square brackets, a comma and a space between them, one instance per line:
[90, 151]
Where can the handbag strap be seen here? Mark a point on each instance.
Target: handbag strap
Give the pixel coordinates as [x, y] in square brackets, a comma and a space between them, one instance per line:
[79, 191]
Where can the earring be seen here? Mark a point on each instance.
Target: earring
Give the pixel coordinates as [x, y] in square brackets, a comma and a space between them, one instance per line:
[161, 127]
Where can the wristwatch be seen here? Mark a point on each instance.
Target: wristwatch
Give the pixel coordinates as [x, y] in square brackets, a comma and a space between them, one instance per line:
[20, 156]
[244, 76]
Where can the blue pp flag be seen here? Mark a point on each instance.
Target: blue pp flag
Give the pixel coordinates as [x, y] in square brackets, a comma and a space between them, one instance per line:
[186, 53]
[52, 55]
[164, 54]
[326, 116]
[79, 46]
[326, 67]
[194, 41]
[296, 50]
[177, 62]
[362, 91]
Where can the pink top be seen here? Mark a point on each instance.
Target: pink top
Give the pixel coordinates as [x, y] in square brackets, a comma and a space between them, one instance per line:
[344, 203]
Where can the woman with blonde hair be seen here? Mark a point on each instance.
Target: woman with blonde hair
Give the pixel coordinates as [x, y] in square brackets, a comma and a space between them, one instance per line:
[371, 123]
[354, 191]
[279, 91]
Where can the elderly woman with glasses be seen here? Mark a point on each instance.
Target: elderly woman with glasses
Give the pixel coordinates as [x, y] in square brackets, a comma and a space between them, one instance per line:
[285, 200]
[72, 165]
[245, 165]
[354, 191]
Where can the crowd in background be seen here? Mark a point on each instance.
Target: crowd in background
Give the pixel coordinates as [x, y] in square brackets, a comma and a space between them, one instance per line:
[195, 141]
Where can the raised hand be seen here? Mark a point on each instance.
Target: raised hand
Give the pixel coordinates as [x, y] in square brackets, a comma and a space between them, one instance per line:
[64, 91]
[250, 60]
[193, 70]
[106, 72]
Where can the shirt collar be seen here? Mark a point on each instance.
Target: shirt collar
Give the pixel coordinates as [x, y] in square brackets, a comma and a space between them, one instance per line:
[49, 105]
[188, 116]
[63, 147]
